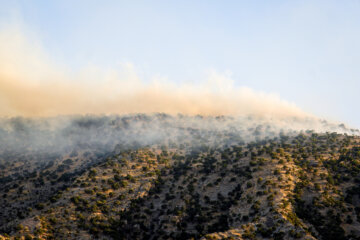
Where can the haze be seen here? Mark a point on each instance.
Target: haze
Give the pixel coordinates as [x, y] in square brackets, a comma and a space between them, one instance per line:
[282, 59]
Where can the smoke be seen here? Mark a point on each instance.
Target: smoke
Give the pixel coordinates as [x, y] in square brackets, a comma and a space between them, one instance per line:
[33, 85]
[62, 134]
[46, 106]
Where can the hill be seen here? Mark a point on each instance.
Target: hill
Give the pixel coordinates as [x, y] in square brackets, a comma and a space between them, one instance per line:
[211, 184]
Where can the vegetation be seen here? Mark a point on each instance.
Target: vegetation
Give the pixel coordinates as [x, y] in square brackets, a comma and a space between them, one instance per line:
[291, 187]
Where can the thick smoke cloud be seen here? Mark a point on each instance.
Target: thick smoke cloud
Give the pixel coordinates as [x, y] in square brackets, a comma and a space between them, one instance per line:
[45, 106]
[32, 85]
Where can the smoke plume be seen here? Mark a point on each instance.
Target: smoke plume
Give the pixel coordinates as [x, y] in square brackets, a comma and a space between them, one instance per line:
[46, 106]
[32, 85]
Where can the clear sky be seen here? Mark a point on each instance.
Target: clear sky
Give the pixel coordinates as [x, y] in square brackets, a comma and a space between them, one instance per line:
[307, 52]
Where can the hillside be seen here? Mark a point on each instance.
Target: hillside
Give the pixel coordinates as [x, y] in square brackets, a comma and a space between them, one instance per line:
[288, 187]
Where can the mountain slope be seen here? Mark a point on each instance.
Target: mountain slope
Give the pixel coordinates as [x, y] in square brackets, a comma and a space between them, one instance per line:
[302, 187]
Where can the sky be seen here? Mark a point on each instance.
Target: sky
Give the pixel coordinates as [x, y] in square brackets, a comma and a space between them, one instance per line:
[306, 52]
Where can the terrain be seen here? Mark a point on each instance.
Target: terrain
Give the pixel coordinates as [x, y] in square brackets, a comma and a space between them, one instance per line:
[164, 177]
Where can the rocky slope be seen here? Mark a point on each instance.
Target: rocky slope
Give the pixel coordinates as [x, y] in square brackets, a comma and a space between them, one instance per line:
[290, 187]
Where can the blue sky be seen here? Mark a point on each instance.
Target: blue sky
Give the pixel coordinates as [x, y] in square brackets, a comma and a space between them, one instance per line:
[307, 52]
